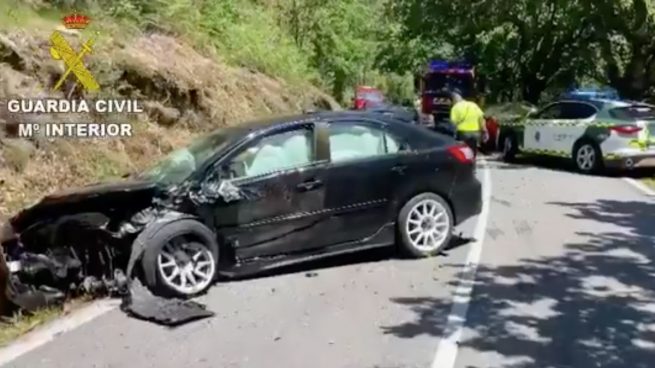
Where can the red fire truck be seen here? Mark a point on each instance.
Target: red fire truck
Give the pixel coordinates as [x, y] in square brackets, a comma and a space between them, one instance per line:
[437, 81]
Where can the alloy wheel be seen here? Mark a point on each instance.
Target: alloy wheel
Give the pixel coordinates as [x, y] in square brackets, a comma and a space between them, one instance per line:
[586, 157]
[428, 225]
[187, 267]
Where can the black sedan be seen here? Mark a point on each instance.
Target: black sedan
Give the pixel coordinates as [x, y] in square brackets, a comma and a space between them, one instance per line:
[252, 197]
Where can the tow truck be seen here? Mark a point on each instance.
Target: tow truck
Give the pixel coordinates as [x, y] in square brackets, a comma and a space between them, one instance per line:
[436, 82]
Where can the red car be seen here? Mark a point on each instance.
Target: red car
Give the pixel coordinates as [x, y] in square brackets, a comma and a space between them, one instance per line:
[367, 97]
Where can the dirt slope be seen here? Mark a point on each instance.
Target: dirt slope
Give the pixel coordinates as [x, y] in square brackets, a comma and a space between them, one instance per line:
[185, 93]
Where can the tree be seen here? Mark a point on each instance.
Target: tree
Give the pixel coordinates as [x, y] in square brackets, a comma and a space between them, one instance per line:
[624, 34]
[523, 46]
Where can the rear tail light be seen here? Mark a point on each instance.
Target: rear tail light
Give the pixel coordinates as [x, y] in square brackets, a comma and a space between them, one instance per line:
[626, 129]
[462, 153]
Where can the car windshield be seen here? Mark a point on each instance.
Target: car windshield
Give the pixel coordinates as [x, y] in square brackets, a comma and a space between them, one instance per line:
[180, 164]
[440, 81]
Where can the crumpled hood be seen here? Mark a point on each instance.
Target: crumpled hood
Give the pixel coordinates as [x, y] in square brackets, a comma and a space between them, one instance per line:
[100, 197]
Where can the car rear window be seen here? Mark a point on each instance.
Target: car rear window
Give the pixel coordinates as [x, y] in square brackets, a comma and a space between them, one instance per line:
[634, 112]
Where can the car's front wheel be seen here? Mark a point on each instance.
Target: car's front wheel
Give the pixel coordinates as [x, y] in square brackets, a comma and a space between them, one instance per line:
[181, 259]
[425, 225]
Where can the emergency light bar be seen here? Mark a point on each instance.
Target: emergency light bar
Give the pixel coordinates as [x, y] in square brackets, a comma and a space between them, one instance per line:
[592, 93]
[453, 66]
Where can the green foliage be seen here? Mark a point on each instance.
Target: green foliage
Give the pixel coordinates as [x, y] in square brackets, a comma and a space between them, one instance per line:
[250, 36]
[341, 37]
[243, 32]
[528, 48]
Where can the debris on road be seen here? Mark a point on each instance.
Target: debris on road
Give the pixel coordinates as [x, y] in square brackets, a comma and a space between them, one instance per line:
[142, 304]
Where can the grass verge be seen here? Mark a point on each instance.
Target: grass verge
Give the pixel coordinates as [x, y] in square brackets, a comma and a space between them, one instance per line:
[20, 324]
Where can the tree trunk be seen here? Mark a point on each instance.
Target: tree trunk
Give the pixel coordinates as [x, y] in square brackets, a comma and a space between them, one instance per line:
[339, 86]
[634, 83]
[4, 285]
[532, 88]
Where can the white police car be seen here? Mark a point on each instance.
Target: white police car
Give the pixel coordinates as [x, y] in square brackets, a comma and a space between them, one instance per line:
[594, 133]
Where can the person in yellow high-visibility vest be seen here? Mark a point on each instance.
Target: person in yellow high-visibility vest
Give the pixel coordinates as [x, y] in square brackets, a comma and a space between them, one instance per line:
[468, 119]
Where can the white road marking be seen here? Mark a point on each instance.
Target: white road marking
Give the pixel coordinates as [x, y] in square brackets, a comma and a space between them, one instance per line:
[640, 186]
[446, 353]
[50, 331]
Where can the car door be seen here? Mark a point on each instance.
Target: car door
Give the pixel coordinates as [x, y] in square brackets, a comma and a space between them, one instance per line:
[279, 192]
[537, 126]
[364, 163]
[563, 133]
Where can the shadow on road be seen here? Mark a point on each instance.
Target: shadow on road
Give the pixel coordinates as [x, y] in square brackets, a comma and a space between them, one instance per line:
[593, 306]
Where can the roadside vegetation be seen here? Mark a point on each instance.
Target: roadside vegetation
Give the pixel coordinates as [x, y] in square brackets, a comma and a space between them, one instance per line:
[17, 325]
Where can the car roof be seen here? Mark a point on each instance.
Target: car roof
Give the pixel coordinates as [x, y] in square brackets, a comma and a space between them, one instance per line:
[264, 124]
[394, 112]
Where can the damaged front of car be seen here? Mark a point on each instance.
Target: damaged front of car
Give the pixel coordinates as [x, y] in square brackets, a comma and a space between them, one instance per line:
[73, 242]
[85, 241]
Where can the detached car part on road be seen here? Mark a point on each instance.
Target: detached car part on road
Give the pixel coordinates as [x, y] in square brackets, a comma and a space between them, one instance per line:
[593, 133]
[242, 200]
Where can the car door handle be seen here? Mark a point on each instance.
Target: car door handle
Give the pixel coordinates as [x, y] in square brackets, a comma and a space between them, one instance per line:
[400, 169]
[309, 184]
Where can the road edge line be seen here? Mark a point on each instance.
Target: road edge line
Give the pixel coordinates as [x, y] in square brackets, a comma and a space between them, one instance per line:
[446, 353]
[640, 186]
[51, 330]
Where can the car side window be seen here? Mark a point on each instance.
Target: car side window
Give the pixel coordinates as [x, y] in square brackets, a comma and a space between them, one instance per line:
[575, 111]
[395, 144]
[273, 153]
[352, 141]
[553, 111]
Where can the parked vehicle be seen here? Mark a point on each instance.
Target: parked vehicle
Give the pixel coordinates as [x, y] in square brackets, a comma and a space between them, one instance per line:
[594, 133]
[253, 197]
[367, 97]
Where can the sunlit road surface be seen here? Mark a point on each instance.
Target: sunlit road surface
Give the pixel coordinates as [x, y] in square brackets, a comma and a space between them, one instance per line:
[566, 279]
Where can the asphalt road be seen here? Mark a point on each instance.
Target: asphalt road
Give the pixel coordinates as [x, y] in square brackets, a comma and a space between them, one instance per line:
[565, 279]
